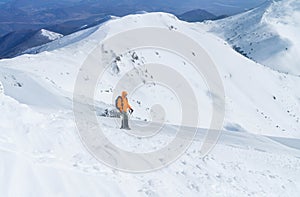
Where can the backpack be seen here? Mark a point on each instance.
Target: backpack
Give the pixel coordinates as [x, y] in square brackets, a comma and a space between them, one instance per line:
[116, 102]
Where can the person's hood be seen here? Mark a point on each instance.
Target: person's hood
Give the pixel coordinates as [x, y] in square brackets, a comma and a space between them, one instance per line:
[124, 94]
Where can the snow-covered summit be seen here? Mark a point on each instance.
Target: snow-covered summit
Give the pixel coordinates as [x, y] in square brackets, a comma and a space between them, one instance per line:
[268, 34]
[50, 34]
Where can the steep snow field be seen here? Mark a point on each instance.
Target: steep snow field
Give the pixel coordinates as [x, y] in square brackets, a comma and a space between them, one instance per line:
[268, 34]
[42, 155]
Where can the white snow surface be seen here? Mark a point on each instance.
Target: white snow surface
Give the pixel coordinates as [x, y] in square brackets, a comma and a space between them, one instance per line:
[258, 153]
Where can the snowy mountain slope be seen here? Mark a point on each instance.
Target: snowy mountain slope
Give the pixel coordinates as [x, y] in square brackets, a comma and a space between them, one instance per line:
[30, 91]
[39, 138]
[42, 156]
[267, 34]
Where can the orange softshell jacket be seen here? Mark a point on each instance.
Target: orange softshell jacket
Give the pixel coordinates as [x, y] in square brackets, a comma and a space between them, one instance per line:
[122, 103]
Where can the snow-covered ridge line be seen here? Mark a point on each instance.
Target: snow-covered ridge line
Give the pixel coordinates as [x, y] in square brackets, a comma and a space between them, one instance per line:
[267, 34]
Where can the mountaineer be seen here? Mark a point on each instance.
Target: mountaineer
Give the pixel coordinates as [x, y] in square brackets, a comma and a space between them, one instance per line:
[123, 106]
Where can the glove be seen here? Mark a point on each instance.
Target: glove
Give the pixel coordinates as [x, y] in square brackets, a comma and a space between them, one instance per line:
[130, 111]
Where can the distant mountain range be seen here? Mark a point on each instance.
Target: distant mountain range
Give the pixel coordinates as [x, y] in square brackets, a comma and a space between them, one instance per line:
[31, 14]
[14, 43]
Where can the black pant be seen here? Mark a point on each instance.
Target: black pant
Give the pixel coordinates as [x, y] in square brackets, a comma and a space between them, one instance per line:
[124, 117]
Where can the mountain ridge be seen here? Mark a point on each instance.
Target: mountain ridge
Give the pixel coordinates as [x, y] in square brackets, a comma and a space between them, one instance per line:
[266, 34]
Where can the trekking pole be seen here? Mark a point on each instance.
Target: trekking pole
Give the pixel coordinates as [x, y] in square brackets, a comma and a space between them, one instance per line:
[130, 116]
